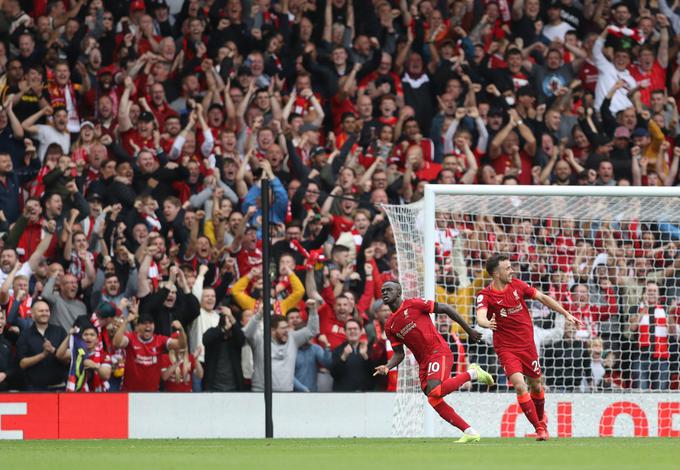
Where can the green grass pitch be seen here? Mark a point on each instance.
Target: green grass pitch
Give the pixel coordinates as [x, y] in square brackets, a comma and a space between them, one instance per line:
[345, 454]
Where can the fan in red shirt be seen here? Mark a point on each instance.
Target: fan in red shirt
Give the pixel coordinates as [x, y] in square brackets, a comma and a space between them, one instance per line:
[505, 151]
[501, 307]
[177, 369]
[410, 324]
[143, 351]
[141, 136]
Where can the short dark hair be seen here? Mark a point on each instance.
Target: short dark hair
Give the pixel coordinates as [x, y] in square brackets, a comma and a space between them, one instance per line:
[339, 249]
[276, 319]
[493, 262]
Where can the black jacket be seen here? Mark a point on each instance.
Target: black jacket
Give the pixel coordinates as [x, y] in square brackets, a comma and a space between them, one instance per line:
[213, 340]
[353, 375]
[186, 309]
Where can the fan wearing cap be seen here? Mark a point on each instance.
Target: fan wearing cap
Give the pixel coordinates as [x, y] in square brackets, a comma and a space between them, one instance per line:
[161, 17]
[650, 140]
[141, 135]
[620, 154]
[143, 350]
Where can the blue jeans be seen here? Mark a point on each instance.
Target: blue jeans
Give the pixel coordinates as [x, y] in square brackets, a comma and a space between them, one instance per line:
[650, 373]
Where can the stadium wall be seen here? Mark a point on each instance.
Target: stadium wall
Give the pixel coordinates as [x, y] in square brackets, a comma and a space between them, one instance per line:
[241, 415]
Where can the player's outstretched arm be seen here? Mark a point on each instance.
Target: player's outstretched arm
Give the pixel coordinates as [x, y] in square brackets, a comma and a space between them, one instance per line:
[439, 307]
[394, 361]
[556, 306]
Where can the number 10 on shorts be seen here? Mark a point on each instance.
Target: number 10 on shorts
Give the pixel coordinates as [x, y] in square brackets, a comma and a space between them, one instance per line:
[433, 368]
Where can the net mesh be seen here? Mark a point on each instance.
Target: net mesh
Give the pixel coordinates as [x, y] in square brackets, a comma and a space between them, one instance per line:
[611, 261]
[407, 420]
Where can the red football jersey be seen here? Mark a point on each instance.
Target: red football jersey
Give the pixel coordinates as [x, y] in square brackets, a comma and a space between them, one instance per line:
[172, 385]
[411, 325]
[331, 327]
[132, 135]
[654, 79]
[248, 259]
[340, 224]
[588, 75]
[514, 328]
[143, 363]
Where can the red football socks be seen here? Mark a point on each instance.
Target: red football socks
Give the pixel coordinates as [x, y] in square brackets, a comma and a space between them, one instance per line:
[539, 403]
[529, 409]
[454, 383]
[450, 416]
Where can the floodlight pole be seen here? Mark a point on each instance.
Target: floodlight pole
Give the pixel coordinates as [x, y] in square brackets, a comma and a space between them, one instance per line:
[266, 310]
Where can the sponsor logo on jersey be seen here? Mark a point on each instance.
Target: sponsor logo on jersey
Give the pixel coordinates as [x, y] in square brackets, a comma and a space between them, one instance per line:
[405, 330]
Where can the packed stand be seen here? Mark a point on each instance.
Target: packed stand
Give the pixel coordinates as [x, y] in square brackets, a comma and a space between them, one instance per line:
[134, 137]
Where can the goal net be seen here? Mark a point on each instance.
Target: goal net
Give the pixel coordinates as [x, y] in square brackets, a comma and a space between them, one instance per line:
[609, 255]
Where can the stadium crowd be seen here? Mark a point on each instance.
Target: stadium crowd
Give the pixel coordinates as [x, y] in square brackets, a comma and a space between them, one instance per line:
[134, 136]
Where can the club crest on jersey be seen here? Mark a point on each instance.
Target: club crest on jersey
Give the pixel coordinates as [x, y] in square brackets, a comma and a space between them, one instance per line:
[514, 292]
[406, 312]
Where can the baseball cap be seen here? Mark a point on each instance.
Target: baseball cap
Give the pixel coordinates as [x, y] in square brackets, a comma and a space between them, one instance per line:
[640, 132]
[137, 5]
[622, 132]
[156, 4]
[108, 69]
[94, 197]
[318, 151]
[86, 123]
[105, 310]
[146, 116]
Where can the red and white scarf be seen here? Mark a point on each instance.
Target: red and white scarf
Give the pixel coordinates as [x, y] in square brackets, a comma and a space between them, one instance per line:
[658, 345]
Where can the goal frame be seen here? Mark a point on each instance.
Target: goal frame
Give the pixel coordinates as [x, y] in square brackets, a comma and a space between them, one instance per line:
[433, 190]
[423, 218]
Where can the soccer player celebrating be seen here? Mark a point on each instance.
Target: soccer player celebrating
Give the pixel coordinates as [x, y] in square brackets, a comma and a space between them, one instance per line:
[501, 307]
[410, 324]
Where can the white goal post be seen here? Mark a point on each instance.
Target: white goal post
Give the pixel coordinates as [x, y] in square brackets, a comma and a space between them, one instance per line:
[443, 239]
